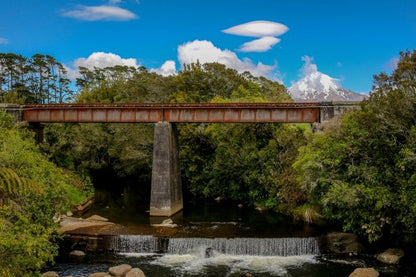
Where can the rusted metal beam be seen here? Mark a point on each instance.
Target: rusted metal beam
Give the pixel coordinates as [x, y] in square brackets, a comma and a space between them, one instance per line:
[186, 113]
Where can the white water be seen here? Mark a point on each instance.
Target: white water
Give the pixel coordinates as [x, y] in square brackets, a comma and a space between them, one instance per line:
[192, 255]
[133, 244]
[196, 262]
[247, 246]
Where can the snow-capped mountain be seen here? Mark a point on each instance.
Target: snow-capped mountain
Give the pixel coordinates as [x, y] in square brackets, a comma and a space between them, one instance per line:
[316, 86]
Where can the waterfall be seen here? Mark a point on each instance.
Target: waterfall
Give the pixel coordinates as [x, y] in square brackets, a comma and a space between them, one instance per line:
[232, 246]
[133, 244]
[246, 246]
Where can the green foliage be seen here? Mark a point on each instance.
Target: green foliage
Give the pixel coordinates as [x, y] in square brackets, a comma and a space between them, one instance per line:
[243, 162]
[32, 191]
[204, 149]
[13, 187]
[25, 245]
[361, 169]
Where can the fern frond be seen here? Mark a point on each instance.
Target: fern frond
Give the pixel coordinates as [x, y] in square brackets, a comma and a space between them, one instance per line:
[12, 186]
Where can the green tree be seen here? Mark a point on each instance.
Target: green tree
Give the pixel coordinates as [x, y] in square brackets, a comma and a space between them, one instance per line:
[360, 170]
[32, 191]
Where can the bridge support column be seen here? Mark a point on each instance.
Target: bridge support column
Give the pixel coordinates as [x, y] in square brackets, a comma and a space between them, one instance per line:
[166, 190]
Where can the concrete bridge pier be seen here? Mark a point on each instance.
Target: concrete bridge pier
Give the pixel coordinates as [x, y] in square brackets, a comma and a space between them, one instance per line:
[166, 191]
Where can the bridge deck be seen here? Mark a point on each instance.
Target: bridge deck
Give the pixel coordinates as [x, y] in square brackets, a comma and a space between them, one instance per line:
[187, 113]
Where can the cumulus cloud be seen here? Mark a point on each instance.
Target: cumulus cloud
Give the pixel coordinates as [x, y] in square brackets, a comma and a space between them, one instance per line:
[168, 68]
[259, 45]
[205, 52]
[100, 60]
[96, 13]
[4, 41]
[260, 28]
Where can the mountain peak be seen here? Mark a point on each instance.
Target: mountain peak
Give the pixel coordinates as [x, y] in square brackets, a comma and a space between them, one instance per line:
[316, 86]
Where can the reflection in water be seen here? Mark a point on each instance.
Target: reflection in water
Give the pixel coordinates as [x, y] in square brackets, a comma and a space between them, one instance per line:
[205, 218]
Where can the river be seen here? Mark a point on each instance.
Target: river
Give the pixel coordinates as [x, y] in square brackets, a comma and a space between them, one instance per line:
[215, 239]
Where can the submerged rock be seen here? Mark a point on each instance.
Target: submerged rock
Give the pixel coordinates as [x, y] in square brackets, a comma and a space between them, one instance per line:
[97, 218]
[209, 252]
[364, 272]
[390, 256]
[166, 223]
[120, 270]
[77, 253]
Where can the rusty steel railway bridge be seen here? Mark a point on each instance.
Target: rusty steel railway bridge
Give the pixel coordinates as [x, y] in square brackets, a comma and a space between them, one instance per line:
[166, 187]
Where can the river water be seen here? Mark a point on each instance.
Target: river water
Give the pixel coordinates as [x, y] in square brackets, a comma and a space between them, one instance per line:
[215, 239]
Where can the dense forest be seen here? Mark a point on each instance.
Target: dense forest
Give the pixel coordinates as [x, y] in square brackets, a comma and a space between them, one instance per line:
[357, 172]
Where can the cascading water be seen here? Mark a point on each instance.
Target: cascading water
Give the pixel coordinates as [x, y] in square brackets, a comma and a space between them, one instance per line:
[133, 244]
[232, 246]
[247, 246]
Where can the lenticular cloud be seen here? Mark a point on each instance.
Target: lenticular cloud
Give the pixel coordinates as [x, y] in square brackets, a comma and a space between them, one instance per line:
[259, 28]
[259, 45]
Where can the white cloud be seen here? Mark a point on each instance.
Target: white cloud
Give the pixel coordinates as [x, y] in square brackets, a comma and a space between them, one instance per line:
[168, 68]
[259, 45]
[4, 41]
[259, 28]
[95, 13]
[100, 60]
[205, 52]
[308, 67]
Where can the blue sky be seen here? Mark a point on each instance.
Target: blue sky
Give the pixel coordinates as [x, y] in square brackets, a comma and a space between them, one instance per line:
[347, 40]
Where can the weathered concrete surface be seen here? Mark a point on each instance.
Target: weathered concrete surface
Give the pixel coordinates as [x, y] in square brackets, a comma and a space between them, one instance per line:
[14, 109]
[334, 109]
[166, 191]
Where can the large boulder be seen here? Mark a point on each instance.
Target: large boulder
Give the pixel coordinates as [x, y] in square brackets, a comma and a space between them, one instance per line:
[50, 274]
[135, 272]
[120, 270]
[390, 256]
[364, 272]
